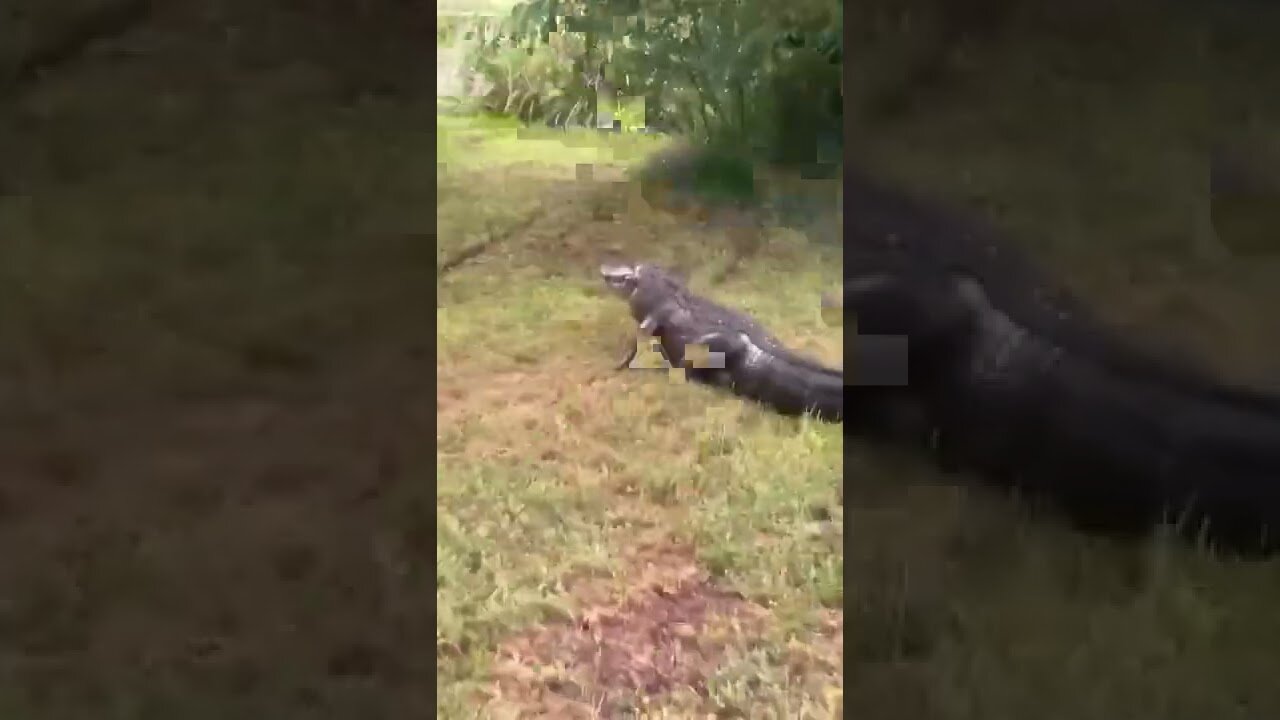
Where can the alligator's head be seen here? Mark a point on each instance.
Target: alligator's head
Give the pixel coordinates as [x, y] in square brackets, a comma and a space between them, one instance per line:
[621, 279]
[627, 279]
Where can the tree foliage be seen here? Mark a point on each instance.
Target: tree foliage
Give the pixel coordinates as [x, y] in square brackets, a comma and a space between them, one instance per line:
[743, 72]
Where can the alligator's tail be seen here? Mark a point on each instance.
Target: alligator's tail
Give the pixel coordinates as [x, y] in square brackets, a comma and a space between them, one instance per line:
[778, 381]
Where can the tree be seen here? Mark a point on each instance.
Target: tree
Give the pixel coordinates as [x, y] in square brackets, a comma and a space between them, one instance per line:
[758, 75]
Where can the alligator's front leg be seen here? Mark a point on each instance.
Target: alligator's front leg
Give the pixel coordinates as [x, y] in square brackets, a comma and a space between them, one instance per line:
[648, 339]
[646, 326]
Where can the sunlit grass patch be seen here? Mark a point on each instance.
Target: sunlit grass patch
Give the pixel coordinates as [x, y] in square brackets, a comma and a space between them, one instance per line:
[772, 520]
[471, 142]
[549, 319]
[508, 536]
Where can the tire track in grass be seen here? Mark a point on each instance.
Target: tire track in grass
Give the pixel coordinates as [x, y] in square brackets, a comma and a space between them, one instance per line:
[493, 236]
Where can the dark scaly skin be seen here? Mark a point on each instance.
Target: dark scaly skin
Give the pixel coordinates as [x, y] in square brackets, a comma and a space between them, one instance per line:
[756, 364]
[777, 381]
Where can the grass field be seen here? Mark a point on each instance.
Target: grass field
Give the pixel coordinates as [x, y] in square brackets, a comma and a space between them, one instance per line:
[619, 539]
[217, 257]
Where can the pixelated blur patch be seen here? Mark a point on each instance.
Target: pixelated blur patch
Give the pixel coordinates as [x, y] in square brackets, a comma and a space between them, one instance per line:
[701, 356]
[648, 355]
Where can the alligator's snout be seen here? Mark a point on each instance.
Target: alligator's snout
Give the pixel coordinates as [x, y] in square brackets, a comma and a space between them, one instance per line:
[619, 278]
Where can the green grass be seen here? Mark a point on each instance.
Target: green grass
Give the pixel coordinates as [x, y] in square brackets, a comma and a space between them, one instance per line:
[552, 466]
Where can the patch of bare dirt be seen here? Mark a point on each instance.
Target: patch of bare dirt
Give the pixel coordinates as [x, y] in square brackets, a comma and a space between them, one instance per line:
[515, 395]
[668, 628]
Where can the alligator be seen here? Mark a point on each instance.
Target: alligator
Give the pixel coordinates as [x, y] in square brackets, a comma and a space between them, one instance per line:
[743, 357]
[1117, 452]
